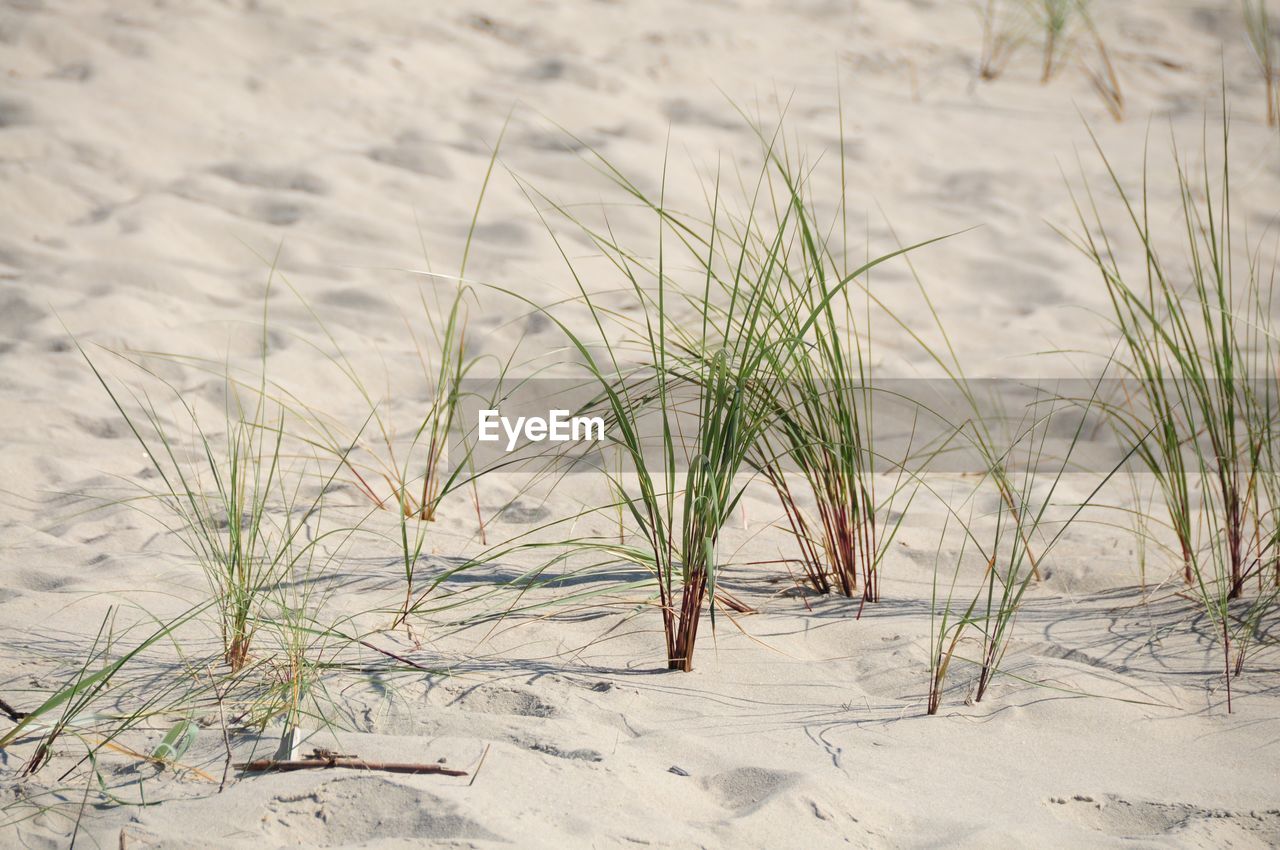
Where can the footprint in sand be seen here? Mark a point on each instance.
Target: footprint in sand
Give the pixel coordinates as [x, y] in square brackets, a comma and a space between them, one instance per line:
[278, 179]
[523, 514]
[17, 314]
[277, 211]
[14, 112]
[364, 809]
[746, 788]
[1121, 818]
[505, 701]
[413, 152]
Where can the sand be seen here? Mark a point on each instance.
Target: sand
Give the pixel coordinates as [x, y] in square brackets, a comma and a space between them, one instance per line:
[154, 157]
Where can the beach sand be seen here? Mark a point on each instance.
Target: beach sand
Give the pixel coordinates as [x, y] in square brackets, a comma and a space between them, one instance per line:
[156, 158]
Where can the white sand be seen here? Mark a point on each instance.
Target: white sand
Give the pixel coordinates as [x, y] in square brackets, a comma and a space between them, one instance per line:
[152, 153]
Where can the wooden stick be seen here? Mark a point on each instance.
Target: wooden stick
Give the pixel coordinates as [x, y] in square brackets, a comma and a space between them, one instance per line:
[271, 765]
[393, 656]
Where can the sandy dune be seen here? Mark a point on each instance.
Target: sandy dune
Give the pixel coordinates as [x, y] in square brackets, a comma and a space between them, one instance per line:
[154, 157]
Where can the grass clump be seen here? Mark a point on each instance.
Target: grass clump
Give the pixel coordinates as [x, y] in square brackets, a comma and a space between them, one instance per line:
[416, 484]
[694, 372]
[689, 363]
[1003, 32]
[416, 472]
[219, 507]
[1009, 24]
[1102, 72]
[1266, 50]
[1200, 357]
[821, 400]
[236, 503]
[1054, 17]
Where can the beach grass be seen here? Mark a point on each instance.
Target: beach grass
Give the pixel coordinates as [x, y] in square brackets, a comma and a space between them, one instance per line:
[1266, 50]
[822, 397]
[1004, 31]
[1054, 17]
[1199, 409]
[224, 497]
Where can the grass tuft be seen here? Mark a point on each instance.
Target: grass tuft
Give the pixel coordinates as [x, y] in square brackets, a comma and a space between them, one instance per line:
[1201, 356]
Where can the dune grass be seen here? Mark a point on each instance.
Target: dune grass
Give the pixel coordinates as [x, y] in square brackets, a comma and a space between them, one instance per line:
[411, 476]
[1054, 17]
[1102, 71]
[707, 355]
[1016, 544]
[1007, 25]
[224, 497]
[1003, 32]
[947, 623]
[677, 545]
[249, 505]
[1030, 519]
[415, 473]
[1201, 351]
[419, 479]
[1266, 50]
[822, 401]
[64, 711]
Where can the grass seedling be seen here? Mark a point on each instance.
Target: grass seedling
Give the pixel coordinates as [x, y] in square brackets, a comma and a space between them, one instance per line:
[945, 628]
[1011, 568]
[1054, 18]
[415, 476]
[415, 481]
[1102, 75]
[1002, 35]
[1266, 51]
[415, 470]
[1025, 532]
[1023, 514]
[225, 498]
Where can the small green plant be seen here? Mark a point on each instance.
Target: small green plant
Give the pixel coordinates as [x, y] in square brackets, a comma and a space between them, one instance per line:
[1266, 51]
[1200, 411]
[679, 547]
[1029, 522]
[225, 524]
[1027, 510]
[821, 401]
[1054, 18]
[946, 625]
[1003, 32]
[710, 357]
[413, 477]
[1102, 72]
[416, 472]
[231, 500]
